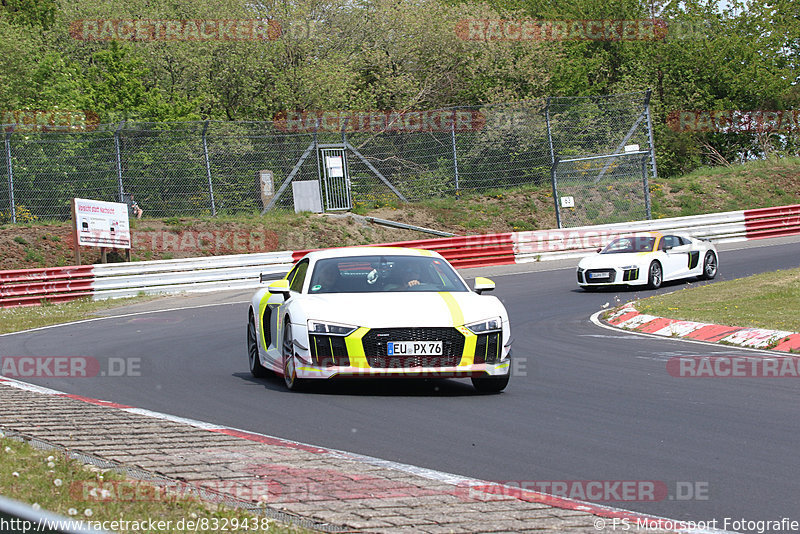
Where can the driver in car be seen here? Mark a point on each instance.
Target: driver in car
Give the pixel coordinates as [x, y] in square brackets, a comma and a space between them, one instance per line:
[404, 277]
[327, 279]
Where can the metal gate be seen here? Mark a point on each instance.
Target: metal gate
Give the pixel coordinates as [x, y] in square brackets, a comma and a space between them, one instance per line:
[335, 177]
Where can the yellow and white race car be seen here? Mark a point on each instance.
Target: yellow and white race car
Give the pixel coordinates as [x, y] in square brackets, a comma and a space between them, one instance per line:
[648, 259]
[378, 312]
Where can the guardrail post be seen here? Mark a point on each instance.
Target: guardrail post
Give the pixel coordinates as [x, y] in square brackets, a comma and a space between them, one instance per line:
[10, 177]
[119, 162]
[208, 171]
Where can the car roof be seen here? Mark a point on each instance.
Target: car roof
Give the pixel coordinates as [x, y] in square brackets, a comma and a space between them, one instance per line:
[347, 252]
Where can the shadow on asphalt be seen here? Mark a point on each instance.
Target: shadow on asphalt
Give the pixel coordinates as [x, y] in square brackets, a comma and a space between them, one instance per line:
[379, 387]
[672, 284]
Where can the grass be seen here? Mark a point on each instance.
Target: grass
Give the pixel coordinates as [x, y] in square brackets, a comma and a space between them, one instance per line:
[51, 481]
[27, 317]
[754, 184]
[767, 300]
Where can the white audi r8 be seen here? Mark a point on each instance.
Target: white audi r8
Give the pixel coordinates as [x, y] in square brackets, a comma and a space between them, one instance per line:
[378, 312]
[648, 259]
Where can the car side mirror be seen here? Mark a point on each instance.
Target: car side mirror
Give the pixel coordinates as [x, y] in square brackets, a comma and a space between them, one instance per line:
[279, 287]
[599, 249]
[483, 284]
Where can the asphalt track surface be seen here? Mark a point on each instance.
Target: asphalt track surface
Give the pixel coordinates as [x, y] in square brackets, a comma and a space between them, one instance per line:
[586, 404]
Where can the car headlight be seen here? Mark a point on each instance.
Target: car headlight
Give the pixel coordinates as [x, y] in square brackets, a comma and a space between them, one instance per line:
[482, 327]
[629, 267]
[330, 329]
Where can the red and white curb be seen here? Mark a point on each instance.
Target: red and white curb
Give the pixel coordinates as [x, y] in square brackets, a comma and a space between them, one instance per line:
[629, 318]
[475, 488]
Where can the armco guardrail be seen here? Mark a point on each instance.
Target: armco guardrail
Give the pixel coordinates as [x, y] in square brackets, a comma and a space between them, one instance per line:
[215, 273]
[57, 284]
[191, 275]
[772, 222]
[462, 251]
[575, 242]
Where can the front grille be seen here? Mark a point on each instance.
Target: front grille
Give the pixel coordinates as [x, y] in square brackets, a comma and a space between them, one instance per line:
[328, 351]
[630, 274]
[487, 347]
[375, 347]
[612, 274]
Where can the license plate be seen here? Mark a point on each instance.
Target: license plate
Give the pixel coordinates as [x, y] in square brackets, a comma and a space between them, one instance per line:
[413, 348]
[598, 275]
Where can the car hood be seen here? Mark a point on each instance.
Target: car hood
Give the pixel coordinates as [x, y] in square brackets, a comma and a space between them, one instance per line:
[411, 309]
[605, 261]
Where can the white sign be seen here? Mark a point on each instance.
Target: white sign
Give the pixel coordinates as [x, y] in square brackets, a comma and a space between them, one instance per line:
[567, 202]
[267, 185]
[335, 166]
[102, 224]
[631, 148]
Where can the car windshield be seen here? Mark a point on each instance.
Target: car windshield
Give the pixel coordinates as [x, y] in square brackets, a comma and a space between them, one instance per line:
[383, 273]
[630, 244]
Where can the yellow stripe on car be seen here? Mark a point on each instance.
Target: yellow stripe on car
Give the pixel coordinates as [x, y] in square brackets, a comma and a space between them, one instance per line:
[457, 316]
[355, 348]
[455, 310]
[470, 341]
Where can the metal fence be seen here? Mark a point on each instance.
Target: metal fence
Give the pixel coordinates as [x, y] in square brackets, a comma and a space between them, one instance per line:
[203, 168]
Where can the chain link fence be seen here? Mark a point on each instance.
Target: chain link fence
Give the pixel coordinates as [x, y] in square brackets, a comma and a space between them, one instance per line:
[204, 168]
[602, 158]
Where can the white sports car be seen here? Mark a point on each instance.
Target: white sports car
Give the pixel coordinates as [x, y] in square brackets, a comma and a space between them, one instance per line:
[378, 312]
[648, 258]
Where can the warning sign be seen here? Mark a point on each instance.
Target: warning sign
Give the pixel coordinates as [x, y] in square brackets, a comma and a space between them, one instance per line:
[101, 224]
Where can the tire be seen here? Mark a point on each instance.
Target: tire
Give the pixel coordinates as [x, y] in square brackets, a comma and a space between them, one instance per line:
[655, 275]
[491, 384]
[709, 266]
[256, 369]
[287, 349]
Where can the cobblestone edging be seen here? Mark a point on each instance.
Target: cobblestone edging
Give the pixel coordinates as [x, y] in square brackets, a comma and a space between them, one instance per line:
[319, 486]
[629, 318]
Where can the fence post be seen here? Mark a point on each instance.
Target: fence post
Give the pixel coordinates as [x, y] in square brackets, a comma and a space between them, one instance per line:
[10, 176]
[119, 162]
[208, 171]
[646, 188]
[549, 131]
[320, 172]
[650, 137]
[455, 154]
[554, 181]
